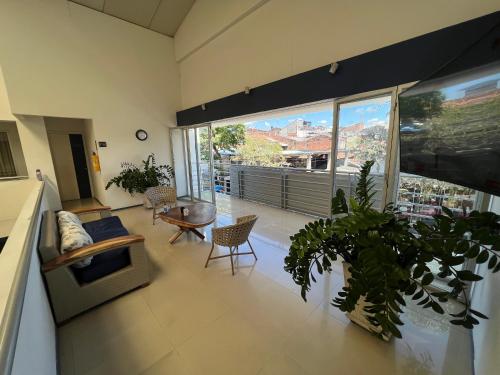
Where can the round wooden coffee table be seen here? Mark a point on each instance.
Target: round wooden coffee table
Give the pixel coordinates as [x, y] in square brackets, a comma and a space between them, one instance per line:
[200, 215]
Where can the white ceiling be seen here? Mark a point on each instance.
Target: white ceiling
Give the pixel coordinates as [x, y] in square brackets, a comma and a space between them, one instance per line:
[163, 16]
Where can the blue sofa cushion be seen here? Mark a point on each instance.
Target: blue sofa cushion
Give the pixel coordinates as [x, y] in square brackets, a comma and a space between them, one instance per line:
[105, 263]
[105, 229]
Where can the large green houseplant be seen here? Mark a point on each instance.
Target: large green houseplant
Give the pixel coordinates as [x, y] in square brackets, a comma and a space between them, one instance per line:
[136, 179]
[388, 259]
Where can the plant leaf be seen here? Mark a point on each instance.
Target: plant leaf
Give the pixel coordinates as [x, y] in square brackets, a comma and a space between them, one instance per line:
[477, 313]
[427, 279]
[482, 257]
[468, 275]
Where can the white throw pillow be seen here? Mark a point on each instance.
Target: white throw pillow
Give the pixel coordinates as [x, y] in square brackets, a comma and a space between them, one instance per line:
[73, 236]
[68, 217]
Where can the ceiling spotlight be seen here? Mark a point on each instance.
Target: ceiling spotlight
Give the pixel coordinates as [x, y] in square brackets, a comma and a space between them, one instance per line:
[334, 67]
[203, 108]
[247, 90]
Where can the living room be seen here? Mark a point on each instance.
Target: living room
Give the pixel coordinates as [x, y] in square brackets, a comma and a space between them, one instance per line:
[157, 77]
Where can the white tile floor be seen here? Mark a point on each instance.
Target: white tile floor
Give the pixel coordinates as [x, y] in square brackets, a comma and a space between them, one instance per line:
[193, 320]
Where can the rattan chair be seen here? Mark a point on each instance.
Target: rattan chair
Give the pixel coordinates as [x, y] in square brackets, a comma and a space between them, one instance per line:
[232, 236]
[161, 196]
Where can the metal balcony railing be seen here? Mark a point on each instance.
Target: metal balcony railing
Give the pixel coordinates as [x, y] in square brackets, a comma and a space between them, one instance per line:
[301, 190]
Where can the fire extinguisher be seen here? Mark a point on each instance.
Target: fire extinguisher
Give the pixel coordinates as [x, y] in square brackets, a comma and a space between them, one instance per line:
[95, 162]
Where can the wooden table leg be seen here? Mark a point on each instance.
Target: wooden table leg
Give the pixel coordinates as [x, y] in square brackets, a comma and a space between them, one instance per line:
[197, 233]
[176, 236]
[182, 230]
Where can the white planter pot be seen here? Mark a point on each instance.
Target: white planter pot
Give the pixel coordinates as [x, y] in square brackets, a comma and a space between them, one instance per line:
[358, 315]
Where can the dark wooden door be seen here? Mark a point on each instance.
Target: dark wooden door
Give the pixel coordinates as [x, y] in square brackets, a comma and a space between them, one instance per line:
[80, 161]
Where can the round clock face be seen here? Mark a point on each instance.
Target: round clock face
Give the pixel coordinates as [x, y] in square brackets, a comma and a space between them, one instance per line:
[141, 135]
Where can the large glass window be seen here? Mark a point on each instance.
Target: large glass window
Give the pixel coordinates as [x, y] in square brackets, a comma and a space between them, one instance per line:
[292, 138]
[420, 198]
[11, 154]
[281, 158]
[181, 166]
[363, 134]
[199, 160]
[192, 162]
[204, 163]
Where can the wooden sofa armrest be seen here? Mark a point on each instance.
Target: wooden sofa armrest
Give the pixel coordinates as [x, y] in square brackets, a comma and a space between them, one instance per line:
[85, 210]
[77, 255]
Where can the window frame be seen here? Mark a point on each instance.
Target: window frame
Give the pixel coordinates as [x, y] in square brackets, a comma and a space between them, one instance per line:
[9, 144]
[391, 153]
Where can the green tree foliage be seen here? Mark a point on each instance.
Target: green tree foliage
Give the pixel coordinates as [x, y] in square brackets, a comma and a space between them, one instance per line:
[389, 260]
[223, 138]
[227, 138]
[260, 152]
[370, 144]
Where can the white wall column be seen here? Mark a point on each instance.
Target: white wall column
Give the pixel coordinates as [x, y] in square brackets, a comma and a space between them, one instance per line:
[35, 144]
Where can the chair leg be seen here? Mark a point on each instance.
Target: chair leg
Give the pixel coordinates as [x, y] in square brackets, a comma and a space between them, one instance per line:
[251, 248]
[231, 256]
[209, 255]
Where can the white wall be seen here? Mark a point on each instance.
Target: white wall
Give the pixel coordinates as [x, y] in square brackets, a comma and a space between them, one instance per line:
[91, 147]
[207, 19]
[13, 195]
[58, 130]
[486, 336]
[35, 348]
[35, 144]
[5, 112]
[18, 200]
[285, 37]
[36, 351]
[8, 123]
[64, 60]
[64, 125]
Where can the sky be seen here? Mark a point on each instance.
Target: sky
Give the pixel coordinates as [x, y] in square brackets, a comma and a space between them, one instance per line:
[369, 112]
[323, 118]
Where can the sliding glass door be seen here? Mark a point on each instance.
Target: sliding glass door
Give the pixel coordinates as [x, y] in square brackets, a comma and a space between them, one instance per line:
[179, 156]
[200, 163]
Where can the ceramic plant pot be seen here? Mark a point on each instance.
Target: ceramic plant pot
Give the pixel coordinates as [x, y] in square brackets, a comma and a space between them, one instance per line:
[358, 315]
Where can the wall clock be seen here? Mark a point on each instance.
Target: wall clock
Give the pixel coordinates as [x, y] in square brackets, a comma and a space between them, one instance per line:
[141, 135]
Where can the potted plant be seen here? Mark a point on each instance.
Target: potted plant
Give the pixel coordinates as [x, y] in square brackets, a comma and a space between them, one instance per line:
[385, 258]
[136, 179]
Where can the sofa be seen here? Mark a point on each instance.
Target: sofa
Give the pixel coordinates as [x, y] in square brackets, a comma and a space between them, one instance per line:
[119, 263]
